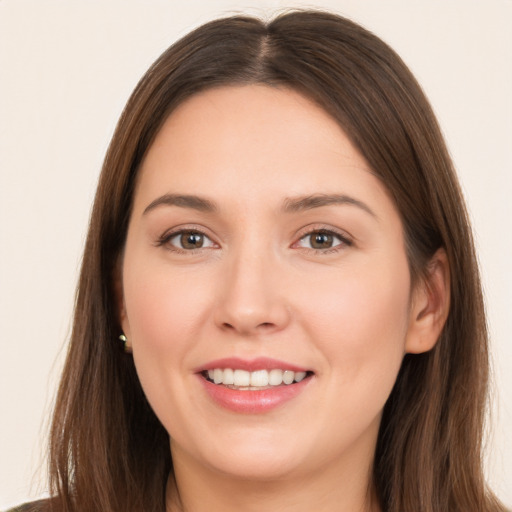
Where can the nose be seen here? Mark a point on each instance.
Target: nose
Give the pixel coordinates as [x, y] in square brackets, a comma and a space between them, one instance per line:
[252, 298]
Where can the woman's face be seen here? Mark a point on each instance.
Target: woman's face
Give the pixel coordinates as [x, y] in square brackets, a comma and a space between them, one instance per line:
[260, 243]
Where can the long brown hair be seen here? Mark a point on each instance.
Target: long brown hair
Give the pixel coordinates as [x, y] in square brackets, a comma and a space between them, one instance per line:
[108, 451]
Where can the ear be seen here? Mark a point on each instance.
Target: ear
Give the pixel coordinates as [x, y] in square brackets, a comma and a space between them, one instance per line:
[430, 305]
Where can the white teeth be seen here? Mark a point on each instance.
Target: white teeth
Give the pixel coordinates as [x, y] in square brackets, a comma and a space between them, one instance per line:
[243, 379]
[288, 376]
[259, 378]
[299, 376]
[229, 377]
[275, 377]
[218, 376]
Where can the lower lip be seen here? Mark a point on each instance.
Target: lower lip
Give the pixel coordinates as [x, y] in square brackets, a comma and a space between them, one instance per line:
[253, 402]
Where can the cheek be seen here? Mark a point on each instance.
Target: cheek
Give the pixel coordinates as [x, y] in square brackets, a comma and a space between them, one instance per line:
[359, 319]
[359, 326]
[163, 307]
[165, 312]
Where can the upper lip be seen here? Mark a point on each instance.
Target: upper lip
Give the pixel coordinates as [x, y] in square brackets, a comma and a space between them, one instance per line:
[250, 365]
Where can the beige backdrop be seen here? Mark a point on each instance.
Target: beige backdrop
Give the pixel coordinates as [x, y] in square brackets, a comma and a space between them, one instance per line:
[66, 70]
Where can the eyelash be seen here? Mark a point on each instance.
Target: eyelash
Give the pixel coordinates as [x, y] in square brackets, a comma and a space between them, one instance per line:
[165, 239]
[344, 240]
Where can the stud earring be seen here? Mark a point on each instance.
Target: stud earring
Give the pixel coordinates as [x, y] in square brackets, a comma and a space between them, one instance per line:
[127, 347]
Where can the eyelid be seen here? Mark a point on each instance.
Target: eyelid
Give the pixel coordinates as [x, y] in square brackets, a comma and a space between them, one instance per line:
[168, 235]
[346, 239]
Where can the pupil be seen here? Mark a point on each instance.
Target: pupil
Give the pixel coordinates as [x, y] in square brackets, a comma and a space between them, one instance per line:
[191, 240]
[322, 240]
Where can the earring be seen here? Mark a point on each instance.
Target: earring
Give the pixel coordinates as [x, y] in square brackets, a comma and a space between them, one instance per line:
[127, 347]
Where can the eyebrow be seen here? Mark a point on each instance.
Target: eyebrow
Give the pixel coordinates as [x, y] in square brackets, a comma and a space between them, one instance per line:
[184, 201]
[295, 204]
[318, 200]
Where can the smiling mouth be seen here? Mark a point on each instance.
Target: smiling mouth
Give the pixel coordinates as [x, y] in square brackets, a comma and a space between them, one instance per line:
[242, 380]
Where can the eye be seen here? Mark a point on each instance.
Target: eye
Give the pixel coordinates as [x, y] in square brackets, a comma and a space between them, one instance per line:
[322, 240]
[187, 240]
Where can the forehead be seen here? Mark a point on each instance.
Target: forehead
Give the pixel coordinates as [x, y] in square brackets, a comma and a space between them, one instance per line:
[253, 142]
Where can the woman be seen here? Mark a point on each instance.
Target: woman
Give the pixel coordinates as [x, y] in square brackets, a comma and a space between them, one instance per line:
[280, 243]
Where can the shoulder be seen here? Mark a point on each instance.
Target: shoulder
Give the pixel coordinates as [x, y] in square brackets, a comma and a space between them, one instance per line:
[33, 506]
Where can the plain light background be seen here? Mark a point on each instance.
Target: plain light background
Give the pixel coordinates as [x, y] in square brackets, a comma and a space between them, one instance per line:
[66, 70]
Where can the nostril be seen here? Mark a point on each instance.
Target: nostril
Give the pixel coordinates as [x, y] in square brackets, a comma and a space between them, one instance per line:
[262, 326]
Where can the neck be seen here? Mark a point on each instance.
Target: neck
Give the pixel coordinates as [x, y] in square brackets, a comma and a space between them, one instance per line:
[194, 488]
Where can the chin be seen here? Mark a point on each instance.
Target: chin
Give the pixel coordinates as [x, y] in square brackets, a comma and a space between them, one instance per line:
[262, 459]
[258, 468]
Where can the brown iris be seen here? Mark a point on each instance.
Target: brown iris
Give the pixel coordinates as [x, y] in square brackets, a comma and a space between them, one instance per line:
[191, 240]
[321, 240]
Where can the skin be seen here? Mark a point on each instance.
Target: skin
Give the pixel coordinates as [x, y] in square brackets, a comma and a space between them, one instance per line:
[258, 288]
